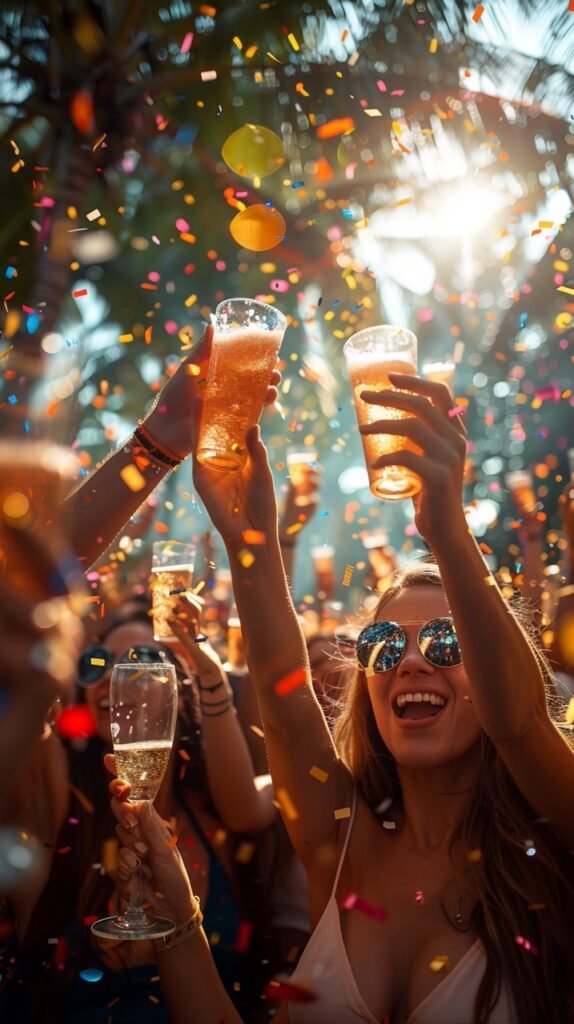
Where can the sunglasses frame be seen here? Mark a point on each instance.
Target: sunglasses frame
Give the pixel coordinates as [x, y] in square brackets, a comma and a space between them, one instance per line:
[400, 626]
[159, 657]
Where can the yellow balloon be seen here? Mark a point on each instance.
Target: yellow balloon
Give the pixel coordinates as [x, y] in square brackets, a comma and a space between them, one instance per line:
[253, 151]
[258, 228]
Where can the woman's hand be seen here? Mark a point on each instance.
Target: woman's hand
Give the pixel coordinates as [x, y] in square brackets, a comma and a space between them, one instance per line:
[186, 626]
[169, 420]
[240, 504]
[434, 427]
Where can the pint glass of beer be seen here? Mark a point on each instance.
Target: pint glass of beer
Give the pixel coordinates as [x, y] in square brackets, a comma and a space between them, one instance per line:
[172, 574]
[324, 566]
[300, 465]
[246, 342]
[371, 355]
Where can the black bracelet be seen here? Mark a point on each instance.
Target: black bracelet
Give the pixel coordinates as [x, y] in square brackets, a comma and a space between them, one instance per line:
[216, 714]
[211, 689]
[215, 703]
[158, 454]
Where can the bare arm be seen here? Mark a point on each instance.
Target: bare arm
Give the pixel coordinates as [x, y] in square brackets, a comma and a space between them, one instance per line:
[240, 804]
[506, 676]
[242, 507]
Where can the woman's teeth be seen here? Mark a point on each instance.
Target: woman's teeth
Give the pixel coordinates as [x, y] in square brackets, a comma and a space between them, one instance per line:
[418, 697]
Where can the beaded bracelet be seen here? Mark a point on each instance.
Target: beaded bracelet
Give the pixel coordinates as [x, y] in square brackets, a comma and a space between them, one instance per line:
[184, 931]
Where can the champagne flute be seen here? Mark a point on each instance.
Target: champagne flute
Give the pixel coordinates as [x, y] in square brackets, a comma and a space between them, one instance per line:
[143, 712]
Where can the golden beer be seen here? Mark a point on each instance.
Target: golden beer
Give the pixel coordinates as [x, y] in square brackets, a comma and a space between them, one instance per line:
[171, 578]
[440, 372]
[300, 466]
[324, 565]
[244, 352]
[521, 487]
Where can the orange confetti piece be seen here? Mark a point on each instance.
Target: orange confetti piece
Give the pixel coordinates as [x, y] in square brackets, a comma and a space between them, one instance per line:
[439, 963]
[147, 335]
[341, 813]
[338, 126]
[318, 773]
[286, 804]
[245, 852]
[246, 558]
[479, 11]
[172, 842]
[161, 528]
[254, 537]
[291, 682]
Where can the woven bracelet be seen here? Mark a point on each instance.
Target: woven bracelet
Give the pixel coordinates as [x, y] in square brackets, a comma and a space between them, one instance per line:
[157, 452]
[184, 931]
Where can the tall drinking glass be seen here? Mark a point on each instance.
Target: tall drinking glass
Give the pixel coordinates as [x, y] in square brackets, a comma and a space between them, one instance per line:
[172, 575]
[300, 465]
[371, 355]
[246, 342]
[520, 483]
[143, 713]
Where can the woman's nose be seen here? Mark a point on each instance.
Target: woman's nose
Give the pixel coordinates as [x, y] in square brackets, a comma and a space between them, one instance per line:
[413, 661]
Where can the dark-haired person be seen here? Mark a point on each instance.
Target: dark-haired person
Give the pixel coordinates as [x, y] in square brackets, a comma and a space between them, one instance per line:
[461, 909]
[208, 795]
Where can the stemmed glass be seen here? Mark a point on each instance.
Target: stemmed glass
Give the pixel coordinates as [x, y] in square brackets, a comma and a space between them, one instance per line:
[143, 713]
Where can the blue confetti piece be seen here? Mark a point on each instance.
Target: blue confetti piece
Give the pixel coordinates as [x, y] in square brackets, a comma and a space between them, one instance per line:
[298, 184]
[269, 203]
[323, 514]
[348, 214]
[91, 974]
[32, 323]
[12, 400]
[522, 320]
[27, 426]
[336, 302]
[10, 273]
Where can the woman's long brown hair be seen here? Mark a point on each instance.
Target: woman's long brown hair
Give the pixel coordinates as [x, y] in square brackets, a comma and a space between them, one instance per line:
[521, 896]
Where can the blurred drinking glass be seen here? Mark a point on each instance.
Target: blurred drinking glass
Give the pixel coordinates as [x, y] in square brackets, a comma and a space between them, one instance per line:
[324, 565]
[246, 342]
[521, 486]
[570, 454]
[440, 372]
[300, 465]
[371, 355]
[236, 660]
[172, 575]
[381, 557]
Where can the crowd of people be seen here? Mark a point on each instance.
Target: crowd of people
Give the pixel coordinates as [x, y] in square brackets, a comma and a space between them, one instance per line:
[363, 821]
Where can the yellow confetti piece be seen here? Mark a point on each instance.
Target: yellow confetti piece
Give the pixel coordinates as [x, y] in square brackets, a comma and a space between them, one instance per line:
[17, 166]
[403, 202]
[489, 581]
[237, 42]
[433, 46]
[373, 112]
[98, 142]
[567, 291]
[133, 479]
[251, 51]
[191, 300]
[287, 805]
[318, 773]
[208, 76]
[570, 712]
[341, 813]
[439, 963]
[347, 575]
[153, 999]
[125, 338]
[292, 40]
[258, 732]
[246, 558]
[93, 214]
[244, 853]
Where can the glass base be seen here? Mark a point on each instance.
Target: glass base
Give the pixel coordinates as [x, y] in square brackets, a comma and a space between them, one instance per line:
[395, 486]
[225, 462]
[119, 929]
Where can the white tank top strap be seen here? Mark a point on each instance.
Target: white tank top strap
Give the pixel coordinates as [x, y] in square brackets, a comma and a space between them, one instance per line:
[346, 843]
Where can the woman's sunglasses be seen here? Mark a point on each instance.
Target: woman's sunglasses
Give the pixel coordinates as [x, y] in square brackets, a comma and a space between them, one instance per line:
[94, 662]
[381, 645]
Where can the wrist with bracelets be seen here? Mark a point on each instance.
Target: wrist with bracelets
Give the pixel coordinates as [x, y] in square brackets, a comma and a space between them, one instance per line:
[146, 446]
[182, 931]
[220, 707]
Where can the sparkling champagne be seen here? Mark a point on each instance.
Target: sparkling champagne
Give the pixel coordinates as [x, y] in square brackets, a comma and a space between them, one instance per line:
[166, 587]
[371, 373]
[240, 368]
[143, 765]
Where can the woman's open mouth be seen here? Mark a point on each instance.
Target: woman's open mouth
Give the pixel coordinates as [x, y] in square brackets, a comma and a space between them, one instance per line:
[418, 706]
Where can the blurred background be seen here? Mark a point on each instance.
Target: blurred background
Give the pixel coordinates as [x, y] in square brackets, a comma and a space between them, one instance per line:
[351, 162]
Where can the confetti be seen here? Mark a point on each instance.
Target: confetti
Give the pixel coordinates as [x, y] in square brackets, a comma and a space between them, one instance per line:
[319, 774]
[286, 804]
[255, 537]
[291, 682]
[342, 813]
[478, 12]
[79, 293]
[133, 479]
[245, 558]
[354, 902]
[526, 944]
[439, 963]
[93, 215]
[288, 992]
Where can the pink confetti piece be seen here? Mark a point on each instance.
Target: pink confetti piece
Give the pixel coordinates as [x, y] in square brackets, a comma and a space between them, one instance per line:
[354, 902]
[79, 293]
[528, 946]
[186, 44]
[458, 410]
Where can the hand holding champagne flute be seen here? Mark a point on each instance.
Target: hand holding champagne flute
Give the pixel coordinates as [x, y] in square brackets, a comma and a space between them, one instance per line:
[143, 712]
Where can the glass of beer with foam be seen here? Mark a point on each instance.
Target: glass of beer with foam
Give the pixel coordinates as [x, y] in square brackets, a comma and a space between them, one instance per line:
[371, 355]
[246, 342]
[172, 575]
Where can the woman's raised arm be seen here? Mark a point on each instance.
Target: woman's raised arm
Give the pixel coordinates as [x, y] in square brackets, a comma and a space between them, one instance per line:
[506, 675]
[312, 787]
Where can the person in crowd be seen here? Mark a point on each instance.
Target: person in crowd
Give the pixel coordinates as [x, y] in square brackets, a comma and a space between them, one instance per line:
[209, 796]
[562, 627]
[436, 825]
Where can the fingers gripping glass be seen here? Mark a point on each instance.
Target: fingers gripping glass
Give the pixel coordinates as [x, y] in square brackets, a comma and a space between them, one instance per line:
[381, 645]
[143, 713]
[95, 661]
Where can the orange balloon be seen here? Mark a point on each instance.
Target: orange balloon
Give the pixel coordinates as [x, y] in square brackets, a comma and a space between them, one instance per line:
[258, 228]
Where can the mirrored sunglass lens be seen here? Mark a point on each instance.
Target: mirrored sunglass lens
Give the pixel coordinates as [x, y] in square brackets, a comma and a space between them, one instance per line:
[380, 646]
[92, 665]
[439, 643]
[148, 655]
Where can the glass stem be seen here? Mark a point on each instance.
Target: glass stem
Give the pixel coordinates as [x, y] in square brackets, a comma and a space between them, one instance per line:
[134, 914]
